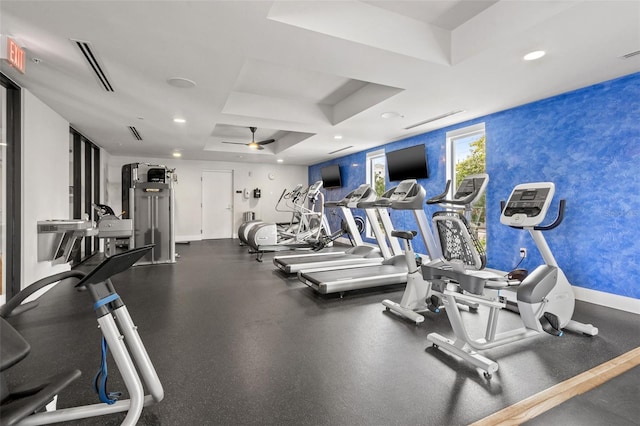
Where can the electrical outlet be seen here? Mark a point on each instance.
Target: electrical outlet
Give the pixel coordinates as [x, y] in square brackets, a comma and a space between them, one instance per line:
[523, 252]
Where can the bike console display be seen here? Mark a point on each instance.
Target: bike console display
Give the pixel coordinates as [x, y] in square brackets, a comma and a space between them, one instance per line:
[471, 189]
[528, 204]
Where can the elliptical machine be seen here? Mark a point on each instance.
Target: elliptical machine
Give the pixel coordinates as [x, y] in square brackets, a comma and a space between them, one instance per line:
[545, 298]
[312, 223]
[291, 198]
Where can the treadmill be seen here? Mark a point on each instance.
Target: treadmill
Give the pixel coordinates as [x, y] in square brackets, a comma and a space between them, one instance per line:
[408, 195]
[357, 255]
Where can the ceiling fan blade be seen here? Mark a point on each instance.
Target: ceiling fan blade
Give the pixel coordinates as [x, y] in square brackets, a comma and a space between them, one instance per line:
[266, 142]
[235, 143]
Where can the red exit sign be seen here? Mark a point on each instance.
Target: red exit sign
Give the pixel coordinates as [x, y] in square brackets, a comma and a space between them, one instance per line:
[15, 55]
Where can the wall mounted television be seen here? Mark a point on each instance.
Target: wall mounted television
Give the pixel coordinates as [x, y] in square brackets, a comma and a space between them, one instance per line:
[331, 176]
[407, 163]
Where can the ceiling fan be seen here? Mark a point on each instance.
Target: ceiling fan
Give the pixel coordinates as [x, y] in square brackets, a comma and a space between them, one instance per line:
[253, 144]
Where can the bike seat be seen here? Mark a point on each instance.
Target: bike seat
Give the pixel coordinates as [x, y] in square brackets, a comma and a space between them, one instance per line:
[405, 235]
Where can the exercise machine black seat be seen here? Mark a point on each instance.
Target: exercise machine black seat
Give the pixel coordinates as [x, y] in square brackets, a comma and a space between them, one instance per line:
[20, 402]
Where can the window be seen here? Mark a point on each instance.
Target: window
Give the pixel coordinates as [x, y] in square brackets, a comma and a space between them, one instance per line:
[84, 172]
[376, 166]
[466, 156]
[3, 170]
[10, 192]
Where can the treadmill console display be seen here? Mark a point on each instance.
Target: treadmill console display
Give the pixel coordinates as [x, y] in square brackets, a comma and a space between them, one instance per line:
[403, 190]
[359, 192]
[528, 204]
[362, 193]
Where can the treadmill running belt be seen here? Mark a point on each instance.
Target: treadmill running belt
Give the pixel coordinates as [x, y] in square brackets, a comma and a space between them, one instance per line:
[354, 278]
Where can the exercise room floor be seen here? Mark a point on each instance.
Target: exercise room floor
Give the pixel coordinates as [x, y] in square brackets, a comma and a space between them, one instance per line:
[234, 342]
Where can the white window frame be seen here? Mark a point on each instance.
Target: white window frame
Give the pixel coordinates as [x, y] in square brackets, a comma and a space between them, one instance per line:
[370, 157]
[452, 136]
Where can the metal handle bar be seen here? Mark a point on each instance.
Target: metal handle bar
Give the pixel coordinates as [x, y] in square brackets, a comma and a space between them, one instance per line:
[436, 199]
[552, 225]
[13, 307]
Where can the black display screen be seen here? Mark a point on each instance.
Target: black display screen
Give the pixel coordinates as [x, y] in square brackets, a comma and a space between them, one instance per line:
[331, 176]
[407, 163]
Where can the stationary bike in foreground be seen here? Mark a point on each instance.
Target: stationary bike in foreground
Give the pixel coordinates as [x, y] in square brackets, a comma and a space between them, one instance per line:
[24, 404]
[545, 298]
[418, 295]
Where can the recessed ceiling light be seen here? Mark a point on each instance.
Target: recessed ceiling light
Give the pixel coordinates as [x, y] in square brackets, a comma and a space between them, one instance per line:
[391, 114]
[180, 82]
[279, 160]
[337, 137]
[177, 154]
[536, 54]
[179, 120]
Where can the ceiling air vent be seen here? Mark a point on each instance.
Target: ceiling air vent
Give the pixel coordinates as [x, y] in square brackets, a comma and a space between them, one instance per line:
[135, 133]
[94, 64]
[448, 114]
[630, 55]
[341, 149]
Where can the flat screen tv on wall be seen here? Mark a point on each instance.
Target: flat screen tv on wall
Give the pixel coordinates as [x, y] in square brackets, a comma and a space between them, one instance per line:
[331, 176]
[407, 163]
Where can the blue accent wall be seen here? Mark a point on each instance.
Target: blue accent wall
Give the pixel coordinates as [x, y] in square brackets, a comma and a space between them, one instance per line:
[588, 143]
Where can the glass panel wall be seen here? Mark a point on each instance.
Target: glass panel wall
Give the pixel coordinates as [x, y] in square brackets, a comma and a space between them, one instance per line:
[84, 170]
[10, 188]
[3, 178]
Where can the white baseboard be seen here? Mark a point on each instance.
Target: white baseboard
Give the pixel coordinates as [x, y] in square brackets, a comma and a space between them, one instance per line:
[623, 303]
[186, 238]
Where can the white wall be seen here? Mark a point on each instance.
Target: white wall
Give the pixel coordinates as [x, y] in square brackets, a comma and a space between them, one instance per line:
[188, 189]
[45, 180]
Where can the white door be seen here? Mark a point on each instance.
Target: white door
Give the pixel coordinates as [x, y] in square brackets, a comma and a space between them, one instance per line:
[217, 204]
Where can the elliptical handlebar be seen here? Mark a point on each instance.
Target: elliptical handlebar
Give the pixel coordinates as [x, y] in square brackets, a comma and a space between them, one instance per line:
[292, 198]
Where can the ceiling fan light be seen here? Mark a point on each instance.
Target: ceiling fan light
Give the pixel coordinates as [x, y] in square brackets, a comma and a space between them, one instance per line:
[253, 145]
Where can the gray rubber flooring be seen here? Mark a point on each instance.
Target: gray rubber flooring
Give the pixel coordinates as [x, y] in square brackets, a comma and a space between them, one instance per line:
[237, 343]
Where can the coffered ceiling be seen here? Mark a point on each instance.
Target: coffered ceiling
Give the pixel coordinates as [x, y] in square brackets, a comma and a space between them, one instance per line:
[317, 76]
